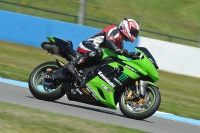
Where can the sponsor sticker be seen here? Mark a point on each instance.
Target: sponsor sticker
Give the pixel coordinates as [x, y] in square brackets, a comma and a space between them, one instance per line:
[117, 81]
[130, 68]
[106, 88]
[122, 77]
[106, 79]
[94, 97]
[49, 77]
[89, 88]
[73, 91]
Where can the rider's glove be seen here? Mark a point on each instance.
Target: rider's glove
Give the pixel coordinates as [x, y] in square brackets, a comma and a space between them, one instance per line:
[119, 51]
[124, 52]
[132, 54]
[137, 56]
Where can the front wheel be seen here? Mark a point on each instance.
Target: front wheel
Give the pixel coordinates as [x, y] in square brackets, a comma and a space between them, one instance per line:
[43, 89]
[141, 107]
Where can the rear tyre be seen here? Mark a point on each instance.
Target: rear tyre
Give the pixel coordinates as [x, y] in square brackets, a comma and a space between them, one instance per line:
[48, 90]
[143, 107]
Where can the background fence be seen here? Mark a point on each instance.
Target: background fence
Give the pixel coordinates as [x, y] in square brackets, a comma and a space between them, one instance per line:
[31, 30]
[93, 19]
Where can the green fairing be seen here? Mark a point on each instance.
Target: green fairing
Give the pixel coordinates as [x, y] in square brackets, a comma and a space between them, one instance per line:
[127, 71]
[109, 53]
[147, 66]
[143, 66]
[50, 38]
[96, 84]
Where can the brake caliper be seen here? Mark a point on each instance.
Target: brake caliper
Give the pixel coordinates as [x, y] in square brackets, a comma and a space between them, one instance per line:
[48, 70]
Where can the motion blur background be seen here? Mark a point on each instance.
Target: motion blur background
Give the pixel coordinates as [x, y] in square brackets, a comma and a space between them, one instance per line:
[174, 21]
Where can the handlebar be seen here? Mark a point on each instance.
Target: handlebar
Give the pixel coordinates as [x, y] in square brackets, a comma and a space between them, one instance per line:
[137, 56]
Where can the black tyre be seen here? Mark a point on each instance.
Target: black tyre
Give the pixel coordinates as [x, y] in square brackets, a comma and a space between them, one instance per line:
[40, 87]
[143, 107]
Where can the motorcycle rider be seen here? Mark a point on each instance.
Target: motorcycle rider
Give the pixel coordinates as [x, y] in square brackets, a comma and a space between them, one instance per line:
[111, 37]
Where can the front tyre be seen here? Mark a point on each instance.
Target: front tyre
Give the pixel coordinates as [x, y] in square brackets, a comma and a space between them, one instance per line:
[48, 90]
[140, 107]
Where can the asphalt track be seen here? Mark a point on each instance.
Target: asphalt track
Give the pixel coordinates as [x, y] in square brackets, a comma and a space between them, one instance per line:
[18, 93]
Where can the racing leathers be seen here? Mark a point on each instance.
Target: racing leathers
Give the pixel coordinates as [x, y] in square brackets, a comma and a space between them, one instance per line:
[109, 37]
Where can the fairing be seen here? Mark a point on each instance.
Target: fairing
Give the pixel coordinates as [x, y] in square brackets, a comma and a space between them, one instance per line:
[104, 85]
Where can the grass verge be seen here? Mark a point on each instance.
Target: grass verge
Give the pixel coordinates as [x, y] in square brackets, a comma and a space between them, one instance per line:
[19, 119]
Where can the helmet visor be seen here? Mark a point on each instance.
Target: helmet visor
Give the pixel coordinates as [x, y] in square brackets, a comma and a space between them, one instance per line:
[134, 32]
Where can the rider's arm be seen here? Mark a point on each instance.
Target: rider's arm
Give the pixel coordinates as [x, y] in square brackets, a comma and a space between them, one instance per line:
[110, 43]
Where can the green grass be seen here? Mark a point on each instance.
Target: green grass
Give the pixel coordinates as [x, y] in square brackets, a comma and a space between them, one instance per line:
[180, 94]
[19, 119]
[172, 17]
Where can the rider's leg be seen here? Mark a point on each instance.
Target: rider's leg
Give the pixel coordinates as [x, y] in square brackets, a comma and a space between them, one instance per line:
[89, 51]
[84, 48]
[70, 66]
[93, 56]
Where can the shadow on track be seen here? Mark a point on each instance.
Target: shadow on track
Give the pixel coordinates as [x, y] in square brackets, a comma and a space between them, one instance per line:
[92, 109]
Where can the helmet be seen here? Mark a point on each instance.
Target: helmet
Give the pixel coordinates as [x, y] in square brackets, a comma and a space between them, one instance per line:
[130, 29]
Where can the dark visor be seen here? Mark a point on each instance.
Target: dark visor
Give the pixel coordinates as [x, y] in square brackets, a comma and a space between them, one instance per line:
[134, 32]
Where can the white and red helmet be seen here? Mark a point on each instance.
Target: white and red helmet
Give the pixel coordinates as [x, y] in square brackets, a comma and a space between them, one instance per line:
[130, 28]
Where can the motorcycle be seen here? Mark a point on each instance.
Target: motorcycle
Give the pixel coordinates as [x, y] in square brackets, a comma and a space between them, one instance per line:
[115, 79]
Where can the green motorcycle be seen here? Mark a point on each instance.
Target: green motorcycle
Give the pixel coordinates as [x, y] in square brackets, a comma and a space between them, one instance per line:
[113, 80]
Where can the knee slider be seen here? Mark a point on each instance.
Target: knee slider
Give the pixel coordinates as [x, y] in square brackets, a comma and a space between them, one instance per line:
[99, 53]
[95, 54]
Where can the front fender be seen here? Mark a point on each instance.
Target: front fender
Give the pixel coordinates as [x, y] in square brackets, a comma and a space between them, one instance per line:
[152, 84]
[144, 85]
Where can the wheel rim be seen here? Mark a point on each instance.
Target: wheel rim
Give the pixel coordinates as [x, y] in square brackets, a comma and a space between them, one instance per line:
[39, 82]
[139, 105]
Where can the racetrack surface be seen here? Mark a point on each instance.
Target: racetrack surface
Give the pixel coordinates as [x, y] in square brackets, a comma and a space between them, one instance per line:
[22, 96]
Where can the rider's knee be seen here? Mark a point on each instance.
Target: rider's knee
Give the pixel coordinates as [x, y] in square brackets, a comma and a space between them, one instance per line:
[97, 54]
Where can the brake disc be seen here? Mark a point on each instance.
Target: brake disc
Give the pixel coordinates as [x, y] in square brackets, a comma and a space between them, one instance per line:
[136, 103]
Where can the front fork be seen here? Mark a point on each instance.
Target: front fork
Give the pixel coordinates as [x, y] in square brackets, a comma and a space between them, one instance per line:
[142, 85]
[140, 88]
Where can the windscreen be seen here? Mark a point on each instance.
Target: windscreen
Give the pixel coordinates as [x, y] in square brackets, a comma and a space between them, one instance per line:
[149, 55]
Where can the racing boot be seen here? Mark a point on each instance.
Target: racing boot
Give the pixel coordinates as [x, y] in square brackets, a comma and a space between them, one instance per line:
[70, 66]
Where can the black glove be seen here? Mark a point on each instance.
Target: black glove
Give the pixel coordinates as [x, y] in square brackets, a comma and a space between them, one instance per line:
[119, 51]
[132, 54]
[126, 53]
[136, 56]
[123, 52]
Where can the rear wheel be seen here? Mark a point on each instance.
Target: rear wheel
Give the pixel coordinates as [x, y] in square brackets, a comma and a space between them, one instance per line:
[140, 107]
[42, 88]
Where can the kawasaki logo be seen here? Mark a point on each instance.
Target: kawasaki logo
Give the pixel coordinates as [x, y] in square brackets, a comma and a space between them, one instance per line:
[106, 79]
[122, 77]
